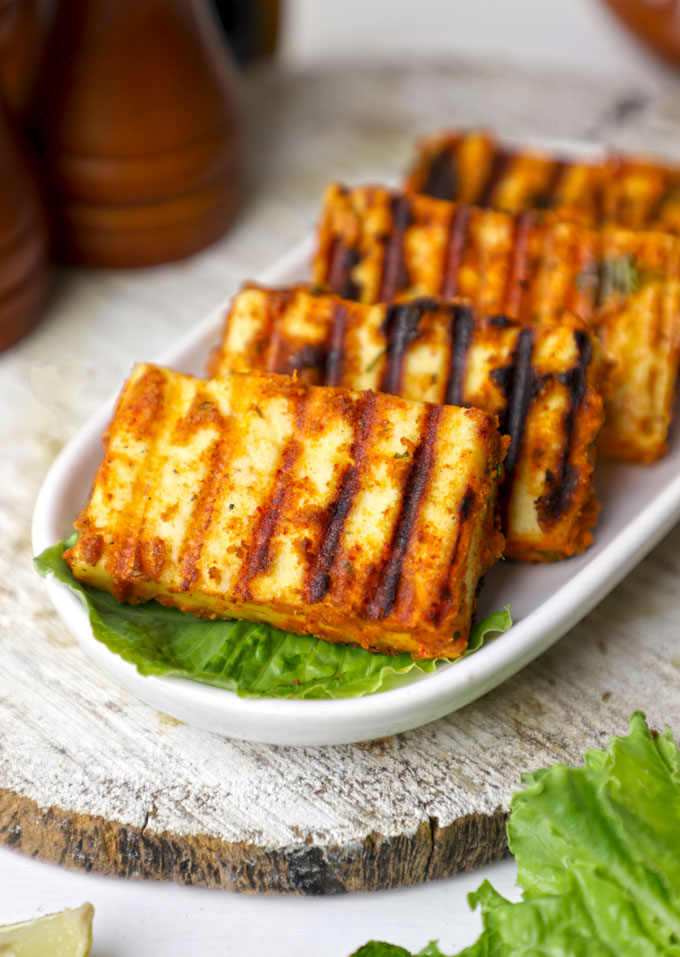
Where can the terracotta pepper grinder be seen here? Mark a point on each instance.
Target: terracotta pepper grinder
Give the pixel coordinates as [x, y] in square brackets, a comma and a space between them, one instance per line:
[23, 29]
[24, 269]
[137, 129]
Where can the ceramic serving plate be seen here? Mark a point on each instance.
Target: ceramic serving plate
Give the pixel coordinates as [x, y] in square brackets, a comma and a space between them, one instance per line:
[640, 504]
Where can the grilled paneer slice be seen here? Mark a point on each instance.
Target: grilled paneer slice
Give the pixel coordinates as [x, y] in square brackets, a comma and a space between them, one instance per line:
[377, 245]
[538, 381]
[638, 324]
[473, 167]
[352, 516]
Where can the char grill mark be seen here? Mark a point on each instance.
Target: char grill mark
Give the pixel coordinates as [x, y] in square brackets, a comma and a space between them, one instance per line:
[520, 384]
[497, 170]
[442, 177]
[552, 504]
[426, 303]
[657, 207]
[461, 328]
[395, 276]
[343, 259]
[546, 198]
[144, 411]
[310, 358]
[333, 522]
[465, 507]
[257, 558]
[382, 587]
[453, 253]
[336, 347]
[203, 412]
[599, 192]
[271, 338]
[442, 605]
[518, 276]
[400, 328]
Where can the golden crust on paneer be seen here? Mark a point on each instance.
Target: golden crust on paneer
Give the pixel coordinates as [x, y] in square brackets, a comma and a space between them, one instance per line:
[375, 245]
[352, 516]
[539, 382]
[473, 167]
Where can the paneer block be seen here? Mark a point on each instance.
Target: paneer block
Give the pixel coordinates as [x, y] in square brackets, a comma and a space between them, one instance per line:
[473, 167]
[376, 245]
[638, 324]
[539, 382]
[352, 516]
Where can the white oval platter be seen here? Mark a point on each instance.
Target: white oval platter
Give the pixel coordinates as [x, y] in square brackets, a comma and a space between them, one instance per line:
[640, 504]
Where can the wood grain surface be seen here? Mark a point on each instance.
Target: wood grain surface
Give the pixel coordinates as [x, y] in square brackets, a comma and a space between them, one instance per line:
[93, 779]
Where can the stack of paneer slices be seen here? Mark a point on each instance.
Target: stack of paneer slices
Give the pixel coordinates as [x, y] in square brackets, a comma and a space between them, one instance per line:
[369, 444]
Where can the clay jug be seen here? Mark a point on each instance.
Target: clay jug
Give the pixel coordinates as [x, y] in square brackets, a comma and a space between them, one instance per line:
[24, 270]
[137, 129]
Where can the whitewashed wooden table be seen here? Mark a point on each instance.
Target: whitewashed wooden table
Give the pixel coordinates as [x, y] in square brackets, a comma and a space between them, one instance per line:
[94, 780]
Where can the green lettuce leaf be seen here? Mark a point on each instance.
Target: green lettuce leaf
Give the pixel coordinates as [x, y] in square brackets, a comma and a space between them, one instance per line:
[608, 836]
[378, 948]
[496, 623]
[540, 927]
[598, 858]
[251, 659]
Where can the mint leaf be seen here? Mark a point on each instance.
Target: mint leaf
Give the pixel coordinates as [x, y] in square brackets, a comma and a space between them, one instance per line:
[249, 658]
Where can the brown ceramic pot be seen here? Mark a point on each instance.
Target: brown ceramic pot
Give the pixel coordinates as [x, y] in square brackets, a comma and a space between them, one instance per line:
[23, 31]
[655, 22]
[137, 129]
[24, 269]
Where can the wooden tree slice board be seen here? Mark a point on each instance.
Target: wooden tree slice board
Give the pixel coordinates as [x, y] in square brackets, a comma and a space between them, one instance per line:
[93, 779]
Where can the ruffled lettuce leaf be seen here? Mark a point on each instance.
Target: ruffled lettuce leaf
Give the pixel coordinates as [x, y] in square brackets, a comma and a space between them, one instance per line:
[607, 835]
[255, 660]
[497, 623]
[549, 926]
[598, 858]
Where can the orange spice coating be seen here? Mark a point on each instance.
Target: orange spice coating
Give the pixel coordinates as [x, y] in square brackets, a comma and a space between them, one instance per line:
[472, 166]
[352, 516]
[376, 244]
[539, 382]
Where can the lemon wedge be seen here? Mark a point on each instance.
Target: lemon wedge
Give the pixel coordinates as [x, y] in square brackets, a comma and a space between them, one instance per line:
[66, 934]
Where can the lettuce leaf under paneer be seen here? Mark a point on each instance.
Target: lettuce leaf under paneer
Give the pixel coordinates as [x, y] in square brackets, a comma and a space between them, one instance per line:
[252, 659]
